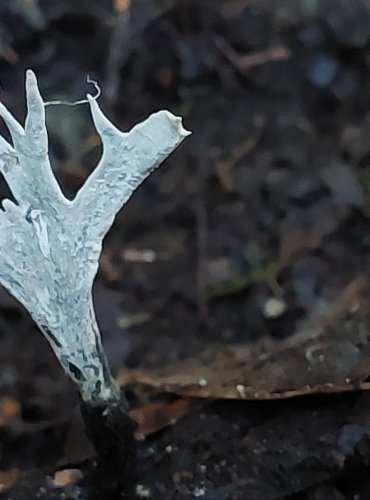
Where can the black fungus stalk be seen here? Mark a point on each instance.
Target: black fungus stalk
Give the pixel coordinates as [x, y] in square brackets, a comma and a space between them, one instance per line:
[111, 431]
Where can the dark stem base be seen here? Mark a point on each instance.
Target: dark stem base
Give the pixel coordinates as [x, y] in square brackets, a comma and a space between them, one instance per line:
[111, 431]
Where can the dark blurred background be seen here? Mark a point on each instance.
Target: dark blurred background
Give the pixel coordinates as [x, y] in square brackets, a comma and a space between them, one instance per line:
[259, 220]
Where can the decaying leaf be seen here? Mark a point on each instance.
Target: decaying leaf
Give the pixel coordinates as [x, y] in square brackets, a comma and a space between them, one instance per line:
[332, 355]
[8, 478]
[153, 417]
[10, 409]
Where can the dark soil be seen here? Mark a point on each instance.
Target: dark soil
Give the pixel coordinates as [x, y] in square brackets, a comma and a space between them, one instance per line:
[268, 199]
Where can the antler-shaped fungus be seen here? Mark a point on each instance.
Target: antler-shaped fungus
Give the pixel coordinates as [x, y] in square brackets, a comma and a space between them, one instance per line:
[50, 246]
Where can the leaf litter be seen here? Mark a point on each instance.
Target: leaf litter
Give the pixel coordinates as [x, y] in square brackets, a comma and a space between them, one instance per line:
[284, 239]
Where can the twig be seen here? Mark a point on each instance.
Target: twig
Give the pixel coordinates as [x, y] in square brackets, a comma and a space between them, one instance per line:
[245, 62]
[202, 237]
[119, 48]
[223, 167]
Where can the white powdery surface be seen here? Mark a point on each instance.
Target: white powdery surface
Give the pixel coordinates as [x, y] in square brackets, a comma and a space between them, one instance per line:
[50, 246]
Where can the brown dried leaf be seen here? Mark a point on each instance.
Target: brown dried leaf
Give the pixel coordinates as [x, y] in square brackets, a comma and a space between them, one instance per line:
[153, 417]
[333, 355]
[8, 478]
[10, 409]
[66, 477]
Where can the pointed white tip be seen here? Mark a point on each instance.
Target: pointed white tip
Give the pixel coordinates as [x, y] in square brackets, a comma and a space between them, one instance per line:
[31, 80]
[30, 74]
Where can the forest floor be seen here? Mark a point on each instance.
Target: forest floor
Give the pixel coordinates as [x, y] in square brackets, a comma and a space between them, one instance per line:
[233, 291]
